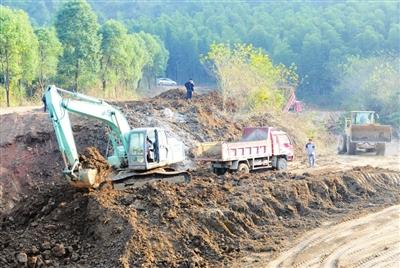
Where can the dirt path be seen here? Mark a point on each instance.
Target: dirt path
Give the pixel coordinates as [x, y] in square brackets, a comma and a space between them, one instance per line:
[345, 162]
[20, 109]
[369, 241]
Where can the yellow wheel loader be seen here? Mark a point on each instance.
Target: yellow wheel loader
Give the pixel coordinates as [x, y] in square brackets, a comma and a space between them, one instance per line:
[362, 133]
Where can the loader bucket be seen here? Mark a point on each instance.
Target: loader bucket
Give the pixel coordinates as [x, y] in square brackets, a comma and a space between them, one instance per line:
[371, 133]
[87, 178]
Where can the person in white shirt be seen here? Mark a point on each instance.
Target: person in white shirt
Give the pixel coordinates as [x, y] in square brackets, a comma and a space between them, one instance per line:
[310, 151]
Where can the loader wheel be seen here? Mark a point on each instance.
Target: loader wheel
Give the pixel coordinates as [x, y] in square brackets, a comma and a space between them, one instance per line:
[380, 148]
[342, 147]
[282, 164]
[351, 147]
[243, 168]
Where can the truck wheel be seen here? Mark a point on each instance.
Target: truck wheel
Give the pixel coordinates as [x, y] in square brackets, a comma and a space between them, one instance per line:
[380, 148]
[282, 164]
[243, 168]
[342, 147]
[351, 147]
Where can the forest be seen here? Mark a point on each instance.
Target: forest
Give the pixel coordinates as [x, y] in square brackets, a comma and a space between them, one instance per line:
[341, 50]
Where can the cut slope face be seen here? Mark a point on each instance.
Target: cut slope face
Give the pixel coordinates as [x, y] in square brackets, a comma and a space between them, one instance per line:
[209, 222]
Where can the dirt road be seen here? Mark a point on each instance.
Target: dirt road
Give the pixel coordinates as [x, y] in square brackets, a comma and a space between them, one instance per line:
[335, 162]
[370, 241]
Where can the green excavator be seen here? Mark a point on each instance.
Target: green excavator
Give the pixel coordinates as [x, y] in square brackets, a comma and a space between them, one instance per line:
[138, 155]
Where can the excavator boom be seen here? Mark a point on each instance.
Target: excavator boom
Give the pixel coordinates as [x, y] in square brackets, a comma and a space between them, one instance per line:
[131, 156]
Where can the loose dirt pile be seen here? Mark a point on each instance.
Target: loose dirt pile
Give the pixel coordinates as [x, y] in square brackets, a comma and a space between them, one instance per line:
[209, 222]
[203, 119]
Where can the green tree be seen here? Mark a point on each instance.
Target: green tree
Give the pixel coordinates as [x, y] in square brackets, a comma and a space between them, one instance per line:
[18, 51]
[248, 78]
[114, 59]
[157, 57]
[50, 49]
[77, 29]
[371, 84]
[138, 58]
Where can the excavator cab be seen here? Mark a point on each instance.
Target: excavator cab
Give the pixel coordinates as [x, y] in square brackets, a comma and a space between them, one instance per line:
[147, 148]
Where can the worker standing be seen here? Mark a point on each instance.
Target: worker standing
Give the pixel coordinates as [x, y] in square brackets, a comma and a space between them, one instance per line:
[189, 85]
[310, 150]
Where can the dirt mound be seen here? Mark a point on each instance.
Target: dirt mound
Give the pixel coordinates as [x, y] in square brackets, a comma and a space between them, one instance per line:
[172, 94]
[209, 222]
[91, 158]
[62, 227]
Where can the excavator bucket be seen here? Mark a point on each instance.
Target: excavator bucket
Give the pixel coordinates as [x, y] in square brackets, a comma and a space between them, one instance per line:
[87, 178]
[371, 133]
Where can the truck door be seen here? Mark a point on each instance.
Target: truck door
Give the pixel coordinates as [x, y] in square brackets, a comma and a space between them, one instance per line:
[285, 146]
[162, 145]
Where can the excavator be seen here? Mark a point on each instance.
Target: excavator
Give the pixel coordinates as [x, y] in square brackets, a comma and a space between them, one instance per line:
[138, 155]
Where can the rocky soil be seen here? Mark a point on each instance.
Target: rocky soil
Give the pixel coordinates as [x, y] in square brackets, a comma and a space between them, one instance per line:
[210, 222]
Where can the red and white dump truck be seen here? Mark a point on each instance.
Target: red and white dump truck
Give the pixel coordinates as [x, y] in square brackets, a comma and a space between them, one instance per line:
[259, 147]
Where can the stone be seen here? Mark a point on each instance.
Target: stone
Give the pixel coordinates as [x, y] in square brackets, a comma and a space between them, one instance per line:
[74, 257]
[59, 250]
[32, 261]
[46, 245]
[34, 250]
[22, 258]
[46, 254]
[39, 262]
[70, 249]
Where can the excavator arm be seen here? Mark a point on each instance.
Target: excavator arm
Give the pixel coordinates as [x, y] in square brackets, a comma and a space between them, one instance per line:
[59, 108]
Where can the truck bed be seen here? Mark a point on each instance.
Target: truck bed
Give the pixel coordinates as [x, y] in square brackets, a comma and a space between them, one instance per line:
[229, 151]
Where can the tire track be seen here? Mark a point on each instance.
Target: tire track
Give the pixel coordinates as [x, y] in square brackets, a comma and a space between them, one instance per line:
[370, 241]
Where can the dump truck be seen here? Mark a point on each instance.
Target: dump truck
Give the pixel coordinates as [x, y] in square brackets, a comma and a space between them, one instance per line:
[258, 148]
[362, 133]
[137, 155]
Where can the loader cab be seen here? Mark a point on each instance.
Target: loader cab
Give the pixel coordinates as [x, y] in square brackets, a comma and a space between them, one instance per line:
[147, 148]
[362, 118]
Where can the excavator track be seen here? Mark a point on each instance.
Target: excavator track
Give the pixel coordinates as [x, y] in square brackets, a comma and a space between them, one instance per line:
[126, 179]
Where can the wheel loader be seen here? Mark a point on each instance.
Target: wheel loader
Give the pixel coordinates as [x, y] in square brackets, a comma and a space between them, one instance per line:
[362, 133]
[138, 155]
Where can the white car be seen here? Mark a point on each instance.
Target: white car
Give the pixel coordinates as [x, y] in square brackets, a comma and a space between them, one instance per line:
[165, 82]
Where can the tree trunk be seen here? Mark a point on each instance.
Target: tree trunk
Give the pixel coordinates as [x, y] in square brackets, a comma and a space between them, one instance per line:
[7, 81]
[148, 82]
[76, 76]
[104, 85]
[7, 90]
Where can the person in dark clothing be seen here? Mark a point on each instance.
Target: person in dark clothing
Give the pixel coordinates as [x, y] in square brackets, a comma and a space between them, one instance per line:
[189, 85]
[44, 103]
